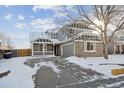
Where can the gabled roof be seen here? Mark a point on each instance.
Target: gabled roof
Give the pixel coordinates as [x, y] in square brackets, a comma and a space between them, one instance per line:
[39, 35]
[35, 35]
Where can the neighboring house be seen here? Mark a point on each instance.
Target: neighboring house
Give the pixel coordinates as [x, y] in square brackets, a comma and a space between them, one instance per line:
[59, 42]
[117, 45]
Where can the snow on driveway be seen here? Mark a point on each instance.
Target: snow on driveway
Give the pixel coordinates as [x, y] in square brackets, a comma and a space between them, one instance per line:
[51, 65]
[94, 64]
[20, 75]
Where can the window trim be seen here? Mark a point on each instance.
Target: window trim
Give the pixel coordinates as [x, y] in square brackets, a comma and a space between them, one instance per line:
[85, 47]
[54, 35]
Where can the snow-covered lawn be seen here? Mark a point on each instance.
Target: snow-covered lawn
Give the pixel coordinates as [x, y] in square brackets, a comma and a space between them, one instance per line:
[94, 63]
[20, 75]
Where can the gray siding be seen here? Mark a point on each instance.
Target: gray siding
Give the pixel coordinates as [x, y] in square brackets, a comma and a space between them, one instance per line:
[60, 36]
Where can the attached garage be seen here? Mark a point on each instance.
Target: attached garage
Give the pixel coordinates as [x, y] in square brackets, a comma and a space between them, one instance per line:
[67, 50]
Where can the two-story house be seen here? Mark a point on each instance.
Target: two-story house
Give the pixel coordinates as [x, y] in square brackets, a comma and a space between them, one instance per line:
[73, 39]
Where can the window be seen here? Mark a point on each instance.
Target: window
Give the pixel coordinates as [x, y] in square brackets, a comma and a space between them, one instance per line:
[79, 25]
[54, 34]
[71, 31]
[35, 47]
[74, 25]
[40, 47]
[49, 47]
[90, 47]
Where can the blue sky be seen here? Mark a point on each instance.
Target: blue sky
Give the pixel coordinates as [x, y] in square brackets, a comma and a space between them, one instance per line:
[18, 21]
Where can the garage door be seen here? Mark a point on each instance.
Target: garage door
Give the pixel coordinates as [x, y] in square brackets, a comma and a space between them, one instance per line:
[68, 50]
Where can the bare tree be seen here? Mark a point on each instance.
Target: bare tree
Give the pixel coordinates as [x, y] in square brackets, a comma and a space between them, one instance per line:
[4, 39]
[103, 19]
[9, 43]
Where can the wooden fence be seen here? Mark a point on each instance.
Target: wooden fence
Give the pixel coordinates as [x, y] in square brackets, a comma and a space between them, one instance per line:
[16, 52]
[21, 52]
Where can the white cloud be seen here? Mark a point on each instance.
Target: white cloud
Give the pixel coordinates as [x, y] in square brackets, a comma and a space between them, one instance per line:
[59, 11]
[20, 25]
[7, 6]
[43, 24]
[60, 14]
[8, 17]
[20, 17]
[44, 7]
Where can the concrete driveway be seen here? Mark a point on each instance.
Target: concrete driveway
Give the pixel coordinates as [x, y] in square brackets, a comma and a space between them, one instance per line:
[71, 75]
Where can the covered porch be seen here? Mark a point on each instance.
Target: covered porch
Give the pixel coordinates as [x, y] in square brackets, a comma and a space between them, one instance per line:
[44, 47]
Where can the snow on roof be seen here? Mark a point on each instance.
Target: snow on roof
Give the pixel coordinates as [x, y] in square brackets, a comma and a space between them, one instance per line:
[55, 40]
[40, 35]
[36, 35]
[87, 32]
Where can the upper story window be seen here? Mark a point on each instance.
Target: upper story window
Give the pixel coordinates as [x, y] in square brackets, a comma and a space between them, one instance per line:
[54, 35]
[78, 25]
[71, 31]
[88, 37]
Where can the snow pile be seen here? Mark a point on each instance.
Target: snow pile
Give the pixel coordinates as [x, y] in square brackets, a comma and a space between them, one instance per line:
[20, 75]
[94, 63]
[51, 65]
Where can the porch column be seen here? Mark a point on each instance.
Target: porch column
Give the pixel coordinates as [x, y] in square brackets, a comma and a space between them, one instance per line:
[38, 47]
[120, 49]
[43, 49]
[114, 49]
[53, 49]
[32, 49]
[56, 50]
[74, 47]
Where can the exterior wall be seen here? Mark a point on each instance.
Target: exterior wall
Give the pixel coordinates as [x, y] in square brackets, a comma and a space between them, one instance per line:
[59, 50]
[79, 50]
[67, 42]
[60, 36]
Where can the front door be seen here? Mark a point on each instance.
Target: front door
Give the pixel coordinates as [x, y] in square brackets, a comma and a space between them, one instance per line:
[122, 47]
[117, 49]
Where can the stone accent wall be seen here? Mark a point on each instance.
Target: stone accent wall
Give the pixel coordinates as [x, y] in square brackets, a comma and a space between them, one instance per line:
[79, 50]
